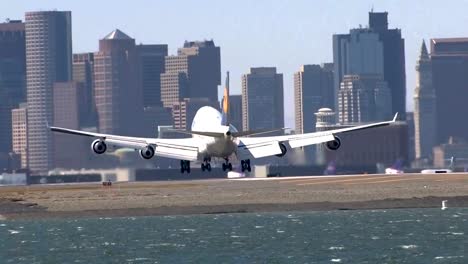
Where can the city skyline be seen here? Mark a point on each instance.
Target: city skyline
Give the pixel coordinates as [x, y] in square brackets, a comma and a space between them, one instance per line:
[284, 36]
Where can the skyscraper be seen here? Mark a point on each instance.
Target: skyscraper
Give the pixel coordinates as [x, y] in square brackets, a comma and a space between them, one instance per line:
[48, 60]
[194, 73]
[151, 60]
[184, 111]
[83, 72]
[313, 89]
[118, 92]
[12, 76]
[424, 107]
[19, 125]
[373, 50]
[449, 58]
[68, 99]
[235, 111]
[363, 98]
[262, 99]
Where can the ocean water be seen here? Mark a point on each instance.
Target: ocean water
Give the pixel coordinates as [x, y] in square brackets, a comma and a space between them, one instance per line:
[377, 236]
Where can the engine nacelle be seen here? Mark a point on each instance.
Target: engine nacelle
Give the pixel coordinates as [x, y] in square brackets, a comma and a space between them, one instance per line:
[99, 146]
[147, 152]
[334, 144]
[283, 150]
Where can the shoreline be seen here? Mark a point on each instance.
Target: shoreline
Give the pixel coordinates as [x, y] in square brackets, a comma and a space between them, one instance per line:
[25, 211]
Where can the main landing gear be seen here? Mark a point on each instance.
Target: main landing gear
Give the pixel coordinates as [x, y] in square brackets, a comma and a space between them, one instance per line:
[184, 166]
[206, 164]
[245, 165]
[227, 165]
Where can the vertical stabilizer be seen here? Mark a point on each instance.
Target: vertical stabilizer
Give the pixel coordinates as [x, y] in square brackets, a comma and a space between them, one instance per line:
[225, 105]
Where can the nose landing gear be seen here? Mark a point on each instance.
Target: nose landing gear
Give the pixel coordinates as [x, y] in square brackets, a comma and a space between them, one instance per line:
[227, 165]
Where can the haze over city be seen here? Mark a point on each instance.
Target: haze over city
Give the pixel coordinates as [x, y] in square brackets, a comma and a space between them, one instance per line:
[285, 35]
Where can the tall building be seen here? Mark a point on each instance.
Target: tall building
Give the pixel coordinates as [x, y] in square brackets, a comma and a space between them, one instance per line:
[424, 107]
[48, 60]
[68, 99]
[117, 88]
[363, 98]
[19, 127]
[373, 50]
[194, 73]
[313, 89]
[235, 111]
[151, 60]
[184, 111]
[83, 72]
[154, 117]
[262, 99]
[12, 76]
[449, 57]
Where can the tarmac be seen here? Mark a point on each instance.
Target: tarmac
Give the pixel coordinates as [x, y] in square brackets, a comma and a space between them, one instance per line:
[348, 192]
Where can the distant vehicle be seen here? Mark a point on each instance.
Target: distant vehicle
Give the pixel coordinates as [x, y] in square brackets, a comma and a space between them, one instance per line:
[213, 136]
[449, 170]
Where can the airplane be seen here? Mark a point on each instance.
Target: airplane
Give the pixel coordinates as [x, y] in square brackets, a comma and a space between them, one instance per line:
[396, 168]
[214, 137]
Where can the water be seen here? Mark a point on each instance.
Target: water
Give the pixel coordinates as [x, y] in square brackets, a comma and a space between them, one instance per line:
[379, 236]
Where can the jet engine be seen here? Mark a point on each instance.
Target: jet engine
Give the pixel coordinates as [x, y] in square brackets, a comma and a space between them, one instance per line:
[334, 144]
[98, 146]
[147, 152]
[283, 150]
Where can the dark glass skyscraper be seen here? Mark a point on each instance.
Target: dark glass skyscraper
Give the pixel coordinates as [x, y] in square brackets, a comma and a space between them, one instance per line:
[151, 60]
[194, 73]
[262, 99]
[12, 76]
[373, 50]
[449, 57]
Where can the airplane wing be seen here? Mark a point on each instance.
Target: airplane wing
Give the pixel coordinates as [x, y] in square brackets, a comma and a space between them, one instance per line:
[258, 147]
[178, 148]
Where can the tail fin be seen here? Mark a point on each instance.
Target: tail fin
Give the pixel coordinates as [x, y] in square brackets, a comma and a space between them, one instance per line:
[225, 105]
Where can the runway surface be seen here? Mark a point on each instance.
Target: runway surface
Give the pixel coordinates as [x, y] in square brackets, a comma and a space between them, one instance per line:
[237, 195]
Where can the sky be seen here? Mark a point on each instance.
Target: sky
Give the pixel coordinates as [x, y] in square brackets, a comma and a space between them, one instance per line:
[284, 34]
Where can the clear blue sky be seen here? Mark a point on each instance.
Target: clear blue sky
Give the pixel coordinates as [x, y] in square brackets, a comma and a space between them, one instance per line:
[285, 34]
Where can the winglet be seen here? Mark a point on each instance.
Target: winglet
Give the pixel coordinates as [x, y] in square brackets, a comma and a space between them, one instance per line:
[395, 117]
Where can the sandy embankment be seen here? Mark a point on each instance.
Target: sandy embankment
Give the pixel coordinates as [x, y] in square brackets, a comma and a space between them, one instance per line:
[225, 196]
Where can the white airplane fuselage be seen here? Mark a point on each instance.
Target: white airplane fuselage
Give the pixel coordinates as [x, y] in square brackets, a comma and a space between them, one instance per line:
[208, 119]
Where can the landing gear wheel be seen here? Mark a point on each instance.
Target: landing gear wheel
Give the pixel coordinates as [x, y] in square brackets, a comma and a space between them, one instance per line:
[245, 165]
[229, 166]
[184, 166]
[206, 164]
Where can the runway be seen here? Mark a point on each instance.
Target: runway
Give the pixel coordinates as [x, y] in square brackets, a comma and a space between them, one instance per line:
[367, 179]
[236, 195]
